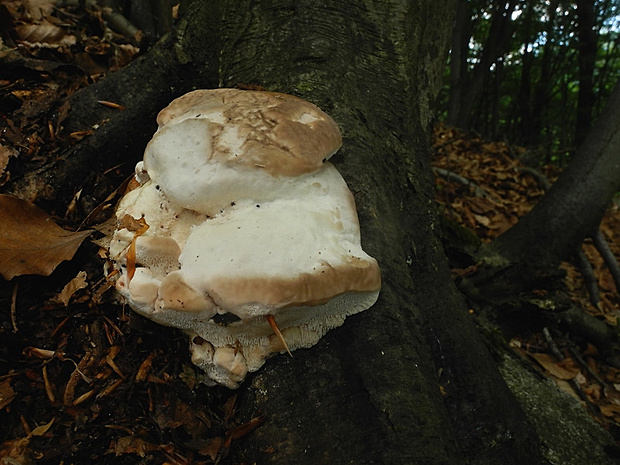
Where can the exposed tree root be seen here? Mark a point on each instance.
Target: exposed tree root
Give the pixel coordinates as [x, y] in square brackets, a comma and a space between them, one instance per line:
[587, 272]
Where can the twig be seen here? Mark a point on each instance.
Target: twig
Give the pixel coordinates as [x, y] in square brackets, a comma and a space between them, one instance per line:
[557, 353]
[586, 367]
[608, 256]
[452, 176]
[583, 396]
[585, 268]
[122, 25]
[540, 178]
[48, 386]
[14, 307]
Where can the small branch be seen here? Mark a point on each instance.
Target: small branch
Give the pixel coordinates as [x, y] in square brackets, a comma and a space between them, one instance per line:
[608, 256]
[451, 176]
[585, 268]
[586, 367]
[122, 25]
[14, 307]
[540, 178]
[555, 351]
[586, 326]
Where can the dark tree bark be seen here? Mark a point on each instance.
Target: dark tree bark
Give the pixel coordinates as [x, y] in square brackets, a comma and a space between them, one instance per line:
[522, 114]
[495, 46]
[458, 60]
[411, 380]
[542, 88]
[588, 39]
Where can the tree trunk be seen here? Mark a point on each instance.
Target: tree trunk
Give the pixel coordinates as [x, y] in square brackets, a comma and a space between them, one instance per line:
[542, 88]
[586, 23]
[459, 52]
[410, 381]
[574, 206]
[494, 47]
[363, 65]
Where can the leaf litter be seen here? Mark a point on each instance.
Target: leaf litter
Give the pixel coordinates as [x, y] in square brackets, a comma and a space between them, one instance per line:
[82, 379]
[30, 241]
[490, 189]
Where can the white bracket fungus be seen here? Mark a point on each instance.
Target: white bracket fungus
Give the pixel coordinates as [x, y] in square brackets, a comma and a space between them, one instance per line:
[240, 232]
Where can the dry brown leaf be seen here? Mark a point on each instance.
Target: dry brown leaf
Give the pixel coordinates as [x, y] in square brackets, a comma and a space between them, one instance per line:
[7, 394]
[30, 241]
[565, 370]
[212, 448]
[483, 220]
[610, 410]
[5, 154]
[41, 430]
[44, 34]
[133, 445]
[77, 283]
[39, 9]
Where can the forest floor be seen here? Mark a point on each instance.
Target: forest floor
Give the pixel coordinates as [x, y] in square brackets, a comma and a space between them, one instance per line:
[82, 379]
[485, 187]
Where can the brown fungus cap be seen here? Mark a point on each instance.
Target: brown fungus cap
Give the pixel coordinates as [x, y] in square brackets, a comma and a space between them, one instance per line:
[280, 133]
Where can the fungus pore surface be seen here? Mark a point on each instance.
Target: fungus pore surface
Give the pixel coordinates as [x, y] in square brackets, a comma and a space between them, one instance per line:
[240, 232]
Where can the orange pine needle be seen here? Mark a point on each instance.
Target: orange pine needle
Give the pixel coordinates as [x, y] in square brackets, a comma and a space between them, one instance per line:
[131, 260]
[108, 104]
[274, 326]
[142, 227]
[48, 386]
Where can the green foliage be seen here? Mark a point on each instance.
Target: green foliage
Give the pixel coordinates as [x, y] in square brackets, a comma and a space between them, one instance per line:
[532, 86]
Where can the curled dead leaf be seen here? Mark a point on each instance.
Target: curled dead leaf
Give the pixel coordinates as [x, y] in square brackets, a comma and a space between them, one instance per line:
[30, 241]
[42, 429]
[7, 394]
[565, 370]
[44, 34]
[77, 283]
[5, 154]
[133, 445]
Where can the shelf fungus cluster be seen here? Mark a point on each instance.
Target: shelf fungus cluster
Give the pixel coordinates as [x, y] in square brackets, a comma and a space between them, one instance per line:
[240, 232]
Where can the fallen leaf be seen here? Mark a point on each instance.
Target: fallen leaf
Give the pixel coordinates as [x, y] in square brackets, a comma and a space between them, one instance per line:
[609, 410]
[16, 451]
[7, 394]
[212, 448]
[133, 445]
[565, 370]
[483, 220]
[44, 34]
[77, 283]
[245, 428]
[30, 241]
[5, 154]
[38, 9]
[42, 429]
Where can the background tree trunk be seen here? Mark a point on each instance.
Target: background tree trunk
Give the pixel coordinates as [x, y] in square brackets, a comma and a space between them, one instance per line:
[459, 52]
[587, 34]
[574, 206]
[495, 46]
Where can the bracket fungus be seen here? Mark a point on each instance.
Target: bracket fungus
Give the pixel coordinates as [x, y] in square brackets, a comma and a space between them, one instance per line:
[240, 232]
